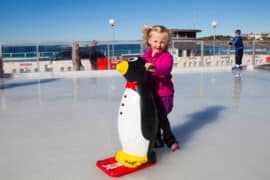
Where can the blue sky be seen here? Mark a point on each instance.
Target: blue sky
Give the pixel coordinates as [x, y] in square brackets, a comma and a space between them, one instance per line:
[83, 20]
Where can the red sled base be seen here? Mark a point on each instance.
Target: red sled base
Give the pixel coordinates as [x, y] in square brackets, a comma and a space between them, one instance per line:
[114, 169]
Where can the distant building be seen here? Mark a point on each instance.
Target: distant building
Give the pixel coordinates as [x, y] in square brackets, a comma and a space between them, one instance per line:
[183, 40]
[259, 36]
[180, 34]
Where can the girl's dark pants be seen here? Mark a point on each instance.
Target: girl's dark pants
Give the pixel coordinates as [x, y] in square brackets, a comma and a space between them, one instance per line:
[164, 106]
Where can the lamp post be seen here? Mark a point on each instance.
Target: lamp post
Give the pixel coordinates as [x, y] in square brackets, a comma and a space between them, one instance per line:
[214, 25]
[112, 23]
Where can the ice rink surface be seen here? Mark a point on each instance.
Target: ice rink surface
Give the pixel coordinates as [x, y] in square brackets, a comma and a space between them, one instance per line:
[56, 129]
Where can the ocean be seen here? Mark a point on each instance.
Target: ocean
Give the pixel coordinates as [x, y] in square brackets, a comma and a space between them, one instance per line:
[63, 51]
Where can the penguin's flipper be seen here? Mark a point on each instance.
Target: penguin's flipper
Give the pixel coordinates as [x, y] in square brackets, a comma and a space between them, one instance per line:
[148, 112]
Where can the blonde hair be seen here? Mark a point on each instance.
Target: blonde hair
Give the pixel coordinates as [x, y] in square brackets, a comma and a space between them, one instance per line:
[157, 28]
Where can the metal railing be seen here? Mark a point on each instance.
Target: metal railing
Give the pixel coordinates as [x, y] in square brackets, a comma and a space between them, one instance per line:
[18, 58]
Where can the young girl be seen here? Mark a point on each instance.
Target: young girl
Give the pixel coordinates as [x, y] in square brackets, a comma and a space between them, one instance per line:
[157, 39]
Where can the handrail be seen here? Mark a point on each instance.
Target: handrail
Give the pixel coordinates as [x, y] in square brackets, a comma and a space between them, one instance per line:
[196, 53]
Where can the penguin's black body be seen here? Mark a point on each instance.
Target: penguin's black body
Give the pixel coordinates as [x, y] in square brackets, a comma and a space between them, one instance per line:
[137, 118]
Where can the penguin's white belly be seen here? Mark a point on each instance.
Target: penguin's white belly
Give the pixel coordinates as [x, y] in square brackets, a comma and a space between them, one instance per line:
[130, 124]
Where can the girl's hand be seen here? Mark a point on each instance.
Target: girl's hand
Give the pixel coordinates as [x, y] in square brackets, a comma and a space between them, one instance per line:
[150, 67]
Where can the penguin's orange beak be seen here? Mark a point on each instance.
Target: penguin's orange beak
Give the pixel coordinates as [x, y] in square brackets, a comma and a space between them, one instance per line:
[122, 67]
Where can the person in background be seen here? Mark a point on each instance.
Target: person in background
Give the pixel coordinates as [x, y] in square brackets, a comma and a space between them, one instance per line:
[237, 42]
[94, 54]
[158, 59]
[1, 67]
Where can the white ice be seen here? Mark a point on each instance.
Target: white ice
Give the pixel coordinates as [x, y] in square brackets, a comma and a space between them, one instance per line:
[56, 129]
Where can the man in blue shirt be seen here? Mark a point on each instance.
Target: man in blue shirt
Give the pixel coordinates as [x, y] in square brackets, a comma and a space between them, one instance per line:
[239, 47]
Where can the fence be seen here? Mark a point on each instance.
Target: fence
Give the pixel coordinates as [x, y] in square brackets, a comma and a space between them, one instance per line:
[46, 57]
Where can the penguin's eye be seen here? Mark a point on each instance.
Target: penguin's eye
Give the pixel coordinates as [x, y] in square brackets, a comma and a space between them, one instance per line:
[132, 59]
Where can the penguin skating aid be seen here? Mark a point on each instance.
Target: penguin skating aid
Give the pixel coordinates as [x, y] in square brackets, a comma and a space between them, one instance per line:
[137, 123]
[113, 168]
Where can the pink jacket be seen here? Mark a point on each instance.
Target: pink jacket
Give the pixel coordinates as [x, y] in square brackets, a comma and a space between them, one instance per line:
[160, 82]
